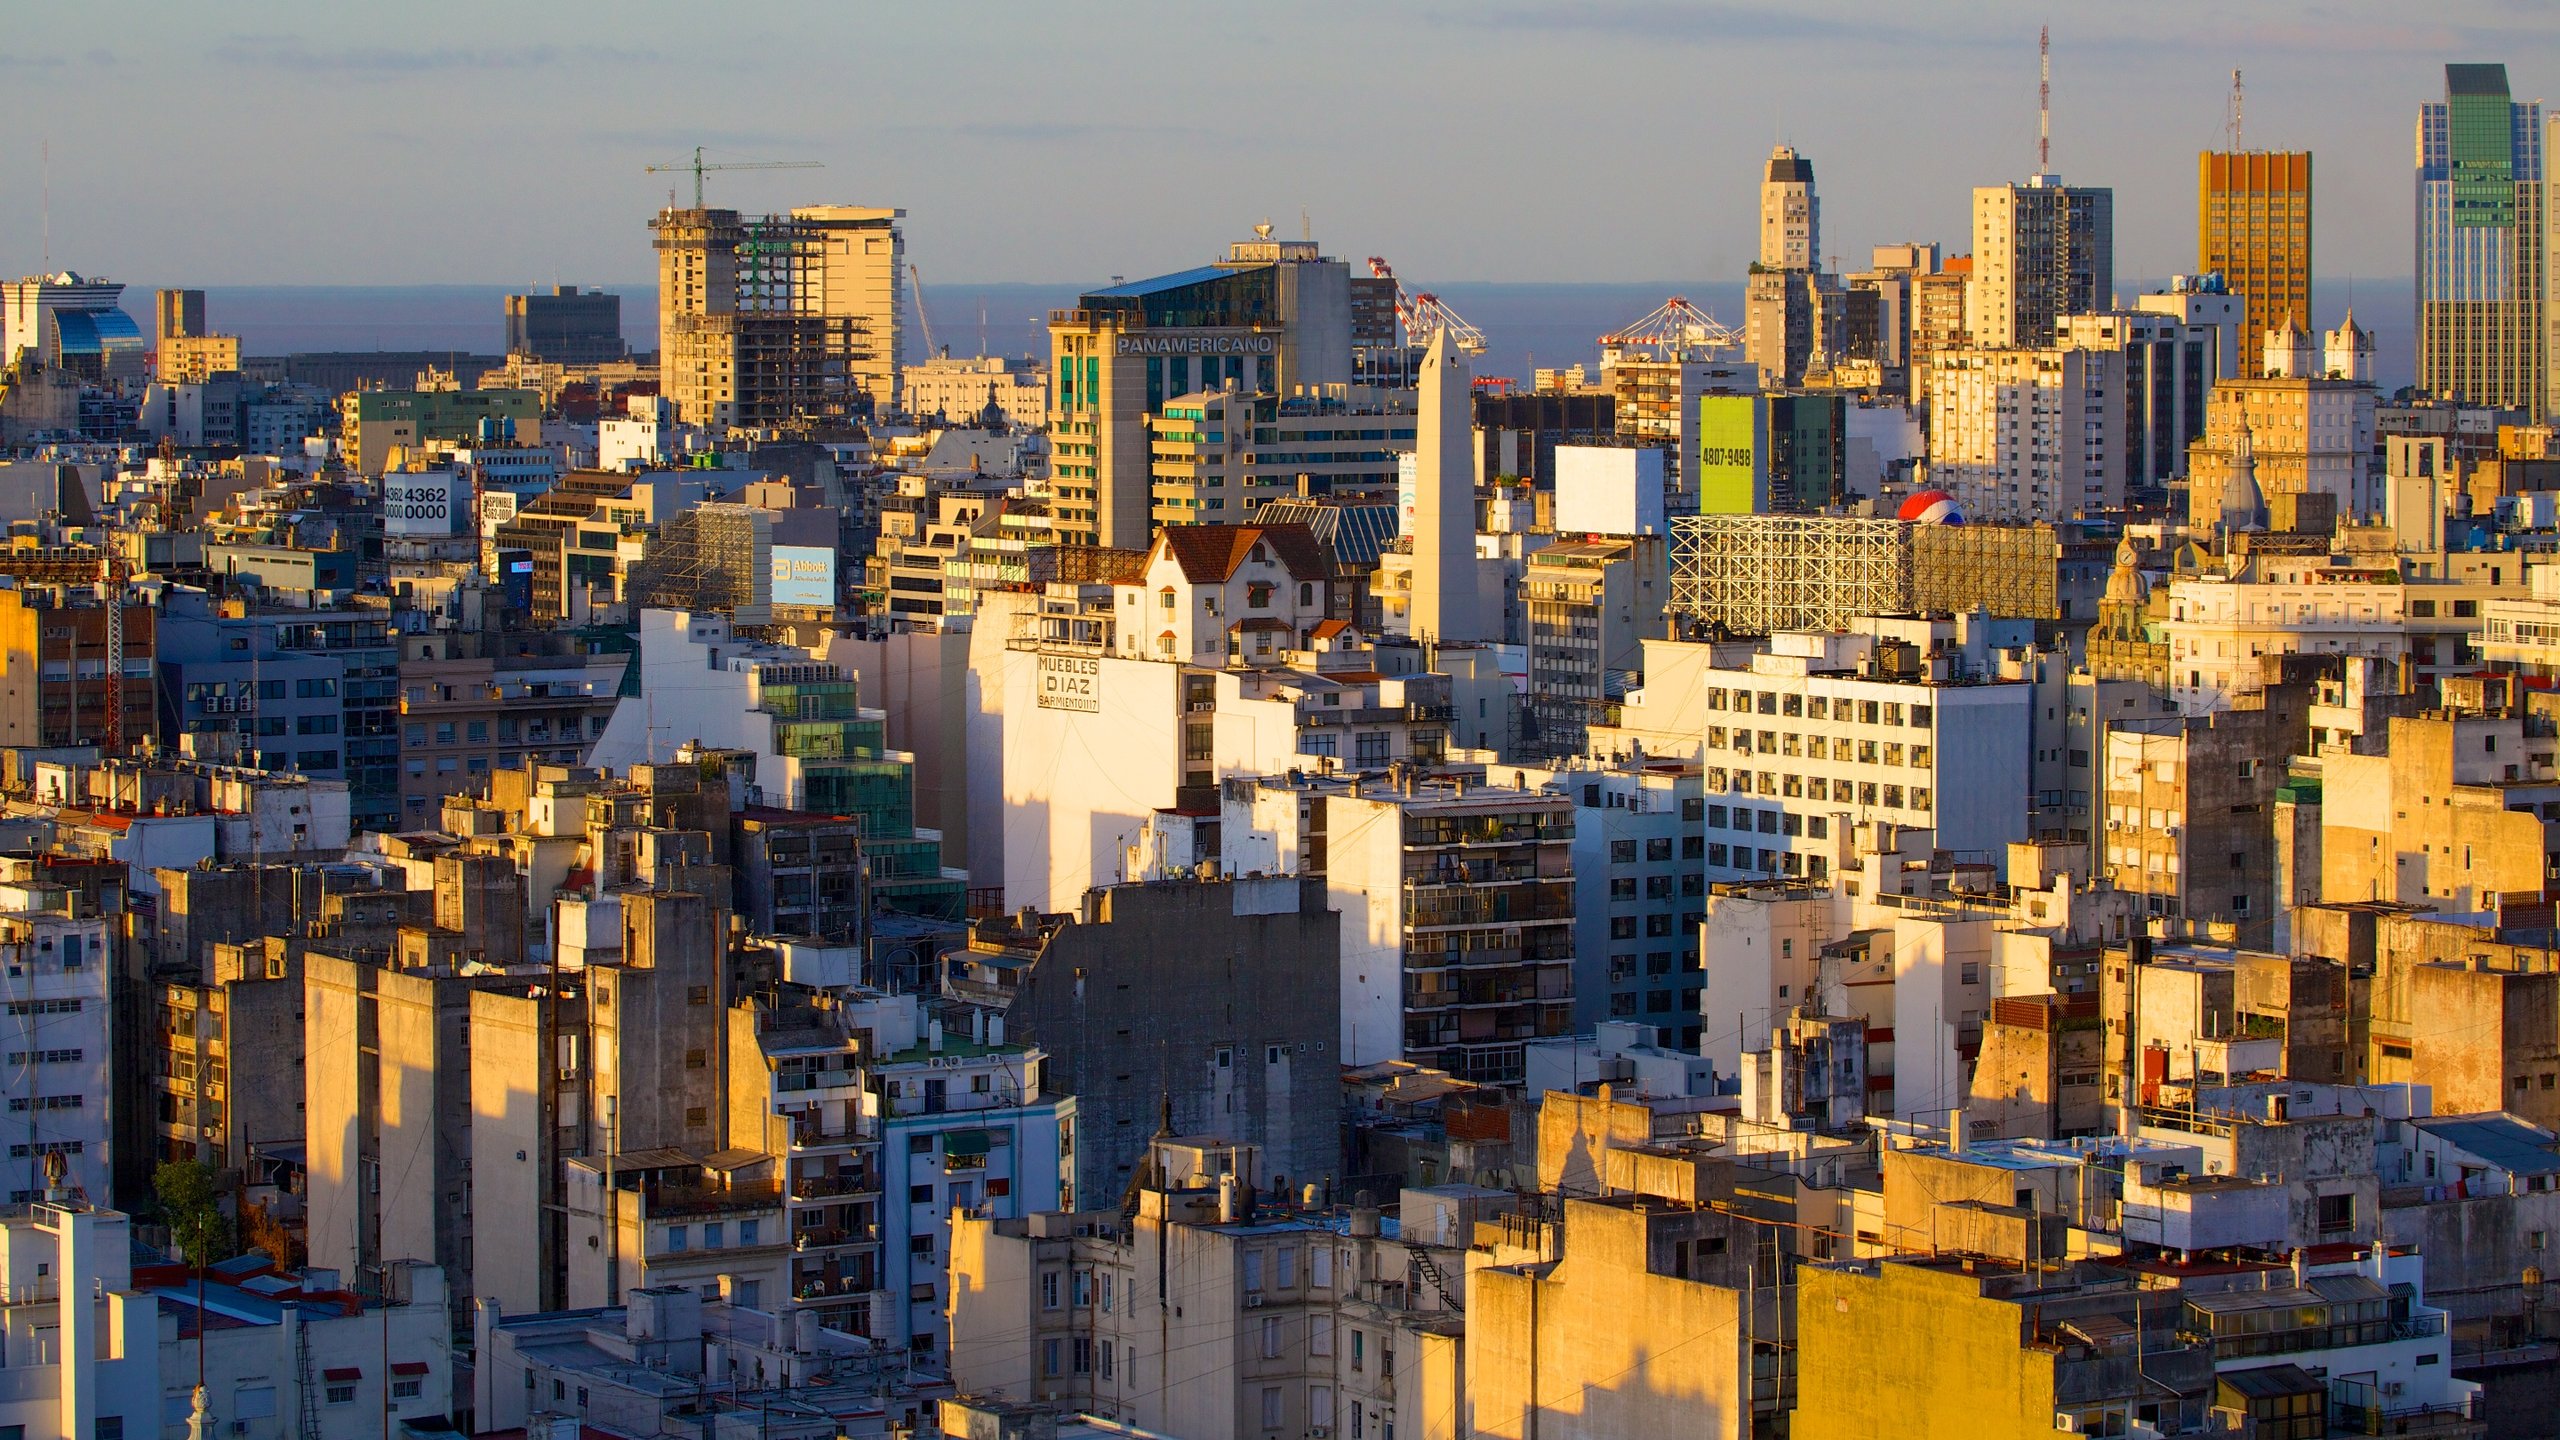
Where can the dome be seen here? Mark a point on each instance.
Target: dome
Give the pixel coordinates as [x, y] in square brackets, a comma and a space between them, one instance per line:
[2126, 584]
[1930, 507]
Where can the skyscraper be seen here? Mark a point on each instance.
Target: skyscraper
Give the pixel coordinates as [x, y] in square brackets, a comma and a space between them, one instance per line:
[1783, 310]
[2040, 250]
[2481, 238]
[2253, 228]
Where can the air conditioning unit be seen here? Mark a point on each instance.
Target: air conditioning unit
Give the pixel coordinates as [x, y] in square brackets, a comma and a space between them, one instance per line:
[1253, 1302]
[2066, 1424]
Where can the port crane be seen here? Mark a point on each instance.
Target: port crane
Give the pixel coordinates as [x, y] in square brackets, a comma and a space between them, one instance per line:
[924, 322]
[1675, 330]
[701, 167]
[1424, 314]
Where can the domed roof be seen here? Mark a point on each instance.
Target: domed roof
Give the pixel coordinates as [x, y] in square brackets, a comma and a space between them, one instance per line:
[2126, 584]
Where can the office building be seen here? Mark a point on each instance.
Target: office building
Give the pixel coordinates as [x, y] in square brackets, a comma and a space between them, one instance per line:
[1274, 317]
[2253, 228]
[70, 322]
[2482, 245]
[1220, 455]
[2010, 437]
[2309, 425]
[1786, 300]
[2041, 250]
[566, 327]
[1761, 454]
[783, 321]
[176, 313]
[1590, 601]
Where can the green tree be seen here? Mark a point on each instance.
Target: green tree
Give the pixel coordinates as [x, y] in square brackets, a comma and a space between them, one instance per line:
[190, 1195]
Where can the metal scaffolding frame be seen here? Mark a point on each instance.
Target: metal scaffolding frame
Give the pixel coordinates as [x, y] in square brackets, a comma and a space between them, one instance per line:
[1760, 574]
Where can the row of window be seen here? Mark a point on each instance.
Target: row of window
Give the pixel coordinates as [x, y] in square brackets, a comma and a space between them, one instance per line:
[1818, 707]
[1812, 747]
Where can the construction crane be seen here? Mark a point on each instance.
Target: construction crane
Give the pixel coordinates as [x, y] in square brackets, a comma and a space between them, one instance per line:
[1426, 313]
[1675, 330]
[700, 167]
[924, 322]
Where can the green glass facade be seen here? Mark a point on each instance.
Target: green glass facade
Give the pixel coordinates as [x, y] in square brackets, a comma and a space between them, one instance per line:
[2480, 141]
[847, 768]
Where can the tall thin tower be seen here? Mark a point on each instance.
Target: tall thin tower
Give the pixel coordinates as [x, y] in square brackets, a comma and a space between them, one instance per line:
[2044, 99]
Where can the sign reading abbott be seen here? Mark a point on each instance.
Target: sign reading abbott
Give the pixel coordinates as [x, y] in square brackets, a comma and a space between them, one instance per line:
[1732, 455]
[804, 575]
[1068, 682]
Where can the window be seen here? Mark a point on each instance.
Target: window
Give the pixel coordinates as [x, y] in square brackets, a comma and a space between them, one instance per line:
[404, 1389]
[1270, 1407]
[1083, 1355]
[1253, 1272]
[1049, 1290]
[1270, 1337]
[1622, 852]
[2337, 1214]
[1288, 1267]
[676, 1238]
[338, 1395]
[714, 1236]
[1050, 1350]
[1359, 1350]
[1320, 1331]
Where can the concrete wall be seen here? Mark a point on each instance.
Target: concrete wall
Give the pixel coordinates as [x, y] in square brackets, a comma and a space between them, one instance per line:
[1174, 979]
[1914, 1353]
[512, 1160]
[1605, 1343]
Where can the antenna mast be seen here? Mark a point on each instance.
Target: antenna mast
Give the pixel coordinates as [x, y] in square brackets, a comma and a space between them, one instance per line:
[2235, 112]
[2044, 99]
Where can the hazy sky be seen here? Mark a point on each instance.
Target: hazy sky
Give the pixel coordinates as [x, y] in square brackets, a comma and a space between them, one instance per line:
[459, 141]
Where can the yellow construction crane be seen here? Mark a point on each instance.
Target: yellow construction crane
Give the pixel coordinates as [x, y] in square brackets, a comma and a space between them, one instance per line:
[699, 167]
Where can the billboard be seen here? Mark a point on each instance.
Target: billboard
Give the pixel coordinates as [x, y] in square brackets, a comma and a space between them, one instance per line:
[804, 575]
[423, 503]
[1731, 455]
[1608, 490]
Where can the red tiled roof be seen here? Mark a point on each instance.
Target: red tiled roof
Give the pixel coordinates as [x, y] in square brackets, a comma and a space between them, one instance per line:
[342, 1372]
[408, 1367]
[1211, 554]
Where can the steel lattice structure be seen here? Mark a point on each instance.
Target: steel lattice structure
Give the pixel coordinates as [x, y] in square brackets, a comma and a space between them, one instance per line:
[1760, 574]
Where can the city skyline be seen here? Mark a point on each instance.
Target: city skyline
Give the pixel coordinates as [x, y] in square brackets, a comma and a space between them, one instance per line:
[384, 157]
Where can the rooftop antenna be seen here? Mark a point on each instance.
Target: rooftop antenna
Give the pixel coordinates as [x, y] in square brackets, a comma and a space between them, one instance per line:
[1306, 225]
[2044, 99]
[2233, 122]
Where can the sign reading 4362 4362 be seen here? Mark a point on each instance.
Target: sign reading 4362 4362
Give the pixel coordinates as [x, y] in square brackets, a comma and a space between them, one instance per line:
[1068, 682]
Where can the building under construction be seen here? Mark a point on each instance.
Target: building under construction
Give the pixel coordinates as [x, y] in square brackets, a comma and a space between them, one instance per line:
[778, 322]
[1759, 574]
[710, 558]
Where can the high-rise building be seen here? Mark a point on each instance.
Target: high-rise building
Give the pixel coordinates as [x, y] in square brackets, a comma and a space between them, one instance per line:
[70, 322]
[2481, 236]
[2253, 228]
[1790, 213]
[2040, 250]
[1784, 314]
[774, 320]
[569, 326]
[1446, 605]
[176, 313]
[1271, 318]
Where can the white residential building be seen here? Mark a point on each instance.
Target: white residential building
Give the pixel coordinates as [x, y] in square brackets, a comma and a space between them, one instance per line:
[2022, 435]
[59, 1039]
[90, 1369]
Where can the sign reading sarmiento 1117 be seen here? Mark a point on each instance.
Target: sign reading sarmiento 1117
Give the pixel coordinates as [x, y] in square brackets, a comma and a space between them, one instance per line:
[1068, 682]
[1196, 343]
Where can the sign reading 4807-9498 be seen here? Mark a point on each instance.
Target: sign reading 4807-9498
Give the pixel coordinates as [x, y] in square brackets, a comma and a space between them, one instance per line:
[1069, 682]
